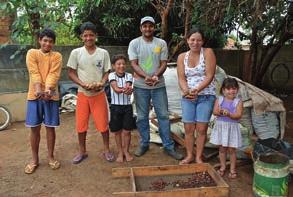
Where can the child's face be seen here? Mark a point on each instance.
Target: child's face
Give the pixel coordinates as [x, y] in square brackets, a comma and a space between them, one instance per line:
[120, 66]
[46, 44]
[230, 93]
[89, 38]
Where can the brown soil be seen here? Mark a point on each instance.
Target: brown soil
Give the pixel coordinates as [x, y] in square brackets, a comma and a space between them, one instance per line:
[93, 176]
[273, 158]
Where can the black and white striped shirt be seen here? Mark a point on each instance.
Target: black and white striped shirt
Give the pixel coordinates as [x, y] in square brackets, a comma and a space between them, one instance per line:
[120, 99]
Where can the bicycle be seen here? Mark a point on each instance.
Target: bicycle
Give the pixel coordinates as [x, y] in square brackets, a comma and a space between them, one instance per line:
[5, 118]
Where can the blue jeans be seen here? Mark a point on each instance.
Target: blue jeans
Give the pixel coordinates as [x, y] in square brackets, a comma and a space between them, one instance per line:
[160, 102]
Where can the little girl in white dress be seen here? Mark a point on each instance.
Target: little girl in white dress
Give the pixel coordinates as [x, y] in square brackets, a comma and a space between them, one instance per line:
[226, 133]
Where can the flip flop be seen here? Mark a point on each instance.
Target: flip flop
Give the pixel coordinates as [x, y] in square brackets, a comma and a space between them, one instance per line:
[30, 168]
[108, 156]
[54, 164]
[79, 158]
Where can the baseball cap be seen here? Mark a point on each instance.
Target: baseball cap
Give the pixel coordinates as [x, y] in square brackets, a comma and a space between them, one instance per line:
[147, 19]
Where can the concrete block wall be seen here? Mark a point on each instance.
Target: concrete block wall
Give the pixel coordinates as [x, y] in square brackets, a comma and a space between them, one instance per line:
[13, 72]
[14, 76]
[231, 60]
[279, 76]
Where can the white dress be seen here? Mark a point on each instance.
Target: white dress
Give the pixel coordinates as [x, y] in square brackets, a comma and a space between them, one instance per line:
[226, 131]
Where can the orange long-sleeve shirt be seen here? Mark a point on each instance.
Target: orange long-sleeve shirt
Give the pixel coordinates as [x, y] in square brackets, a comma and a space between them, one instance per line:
[43, 68]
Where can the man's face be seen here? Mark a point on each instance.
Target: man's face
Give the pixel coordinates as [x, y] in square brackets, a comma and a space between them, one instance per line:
[147, 29]
[89, 38]
[46, 44]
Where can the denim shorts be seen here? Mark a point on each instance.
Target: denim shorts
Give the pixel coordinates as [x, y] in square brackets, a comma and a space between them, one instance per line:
[199, 110]
[41, 111]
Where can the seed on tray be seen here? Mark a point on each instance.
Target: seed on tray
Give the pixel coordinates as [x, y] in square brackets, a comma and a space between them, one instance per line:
[198, 179]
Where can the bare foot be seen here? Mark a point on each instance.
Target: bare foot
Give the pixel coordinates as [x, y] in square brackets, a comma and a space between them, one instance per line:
[186, 160]
[119, 158]
[128, 157]
[221, 171]
[233, 175]
[199, 160]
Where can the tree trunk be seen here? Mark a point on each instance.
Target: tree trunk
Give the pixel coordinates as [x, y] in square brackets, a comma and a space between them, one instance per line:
[187, 23]
[164, 24]
[260, 57]
[35, 24]
[270, 53]
[164, 14]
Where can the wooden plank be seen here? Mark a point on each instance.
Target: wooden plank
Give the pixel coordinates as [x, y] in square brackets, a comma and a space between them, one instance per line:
[206, 154]
[175, 120]
[132, 180]
[217, 178]
[238, 163]
[124, 194]
[202, 191]
[178, 139]
[154, 121]
[120, 172]
[209, 152]
[161, 170]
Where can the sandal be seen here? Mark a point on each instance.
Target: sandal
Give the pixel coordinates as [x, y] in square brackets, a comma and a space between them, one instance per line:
[79, 158]
[54, 164]
[233, 175]
[108, 156]
[221, 172]
[30, 168]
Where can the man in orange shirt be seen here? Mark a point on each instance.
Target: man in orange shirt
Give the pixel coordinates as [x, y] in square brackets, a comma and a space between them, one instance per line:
[44, 67]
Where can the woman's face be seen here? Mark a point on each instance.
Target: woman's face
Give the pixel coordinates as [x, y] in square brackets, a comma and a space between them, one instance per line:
[195, 42]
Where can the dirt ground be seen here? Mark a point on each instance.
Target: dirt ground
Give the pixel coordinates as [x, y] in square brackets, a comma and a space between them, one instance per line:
[93, 176]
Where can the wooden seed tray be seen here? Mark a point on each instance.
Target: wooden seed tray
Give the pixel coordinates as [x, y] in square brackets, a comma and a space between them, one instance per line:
[220, 190]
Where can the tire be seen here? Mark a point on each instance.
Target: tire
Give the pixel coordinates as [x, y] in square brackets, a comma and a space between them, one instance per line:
[5, 118]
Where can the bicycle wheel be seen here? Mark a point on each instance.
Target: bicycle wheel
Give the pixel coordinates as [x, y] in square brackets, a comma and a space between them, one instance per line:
[5, 118]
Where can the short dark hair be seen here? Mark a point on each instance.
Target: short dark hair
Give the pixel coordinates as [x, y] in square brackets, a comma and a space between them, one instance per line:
[195, 30]
[117, 57]
[229, 82]
[47, 32]
[88, 26]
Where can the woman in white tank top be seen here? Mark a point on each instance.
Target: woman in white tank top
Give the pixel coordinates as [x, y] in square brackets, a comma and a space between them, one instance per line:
[196, 69]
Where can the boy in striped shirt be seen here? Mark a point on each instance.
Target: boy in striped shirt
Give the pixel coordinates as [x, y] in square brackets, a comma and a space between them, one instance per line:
[121, 121]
